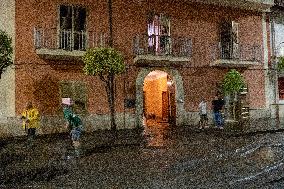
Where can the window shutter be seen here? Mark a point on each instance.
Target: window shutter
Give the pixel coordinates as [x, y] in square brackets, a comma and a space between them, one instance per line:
[66, 90]
[79, 95]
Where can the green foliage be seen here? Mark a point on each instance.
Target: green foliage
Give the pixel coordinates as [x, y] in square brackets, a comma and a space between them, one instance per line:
[233, 82]
[103, 61]
[106, 63]
[280, 65]
[6, 51]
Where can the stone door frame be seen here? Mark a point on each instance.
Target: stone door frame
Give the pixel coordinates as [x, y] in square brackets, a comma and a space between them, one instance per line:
[179, 94]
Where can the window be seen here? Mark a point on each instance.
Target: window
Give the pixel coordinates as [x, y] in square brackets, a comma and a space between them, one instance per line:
[159, 33]
[279, 38]
[279, 3]
[281, 88]
[229, 40]
[77, 92]
[72, 28]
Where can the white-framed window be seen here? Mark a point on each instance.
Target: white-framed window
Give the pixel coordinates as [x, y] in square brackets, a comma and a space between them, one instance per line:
[279, 39]
[72, 27]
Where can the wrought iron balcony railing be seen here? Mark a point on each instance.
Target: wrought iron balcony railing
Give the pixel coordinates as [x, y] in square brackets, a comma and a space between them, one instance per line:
[279, 3]
[162, 45]
[239, 52]
[67, 39]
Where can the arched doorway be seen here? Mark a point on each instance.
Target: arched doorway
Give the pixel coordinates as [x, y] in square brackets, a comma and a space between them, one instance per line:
[178, 98]
[159, 105]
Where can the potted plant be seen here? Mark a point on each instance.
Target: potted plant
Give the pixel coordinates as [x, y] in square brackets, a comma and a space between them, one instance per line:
[233, 83]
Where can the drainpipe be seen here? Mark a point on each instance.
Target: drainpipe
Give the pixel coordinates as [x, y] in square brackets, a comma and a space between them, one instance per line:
[110, 22]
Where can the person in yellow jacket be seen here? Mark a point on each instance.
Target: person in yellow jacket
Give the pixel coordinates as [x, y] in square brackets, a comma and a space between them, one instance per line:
[30, 117]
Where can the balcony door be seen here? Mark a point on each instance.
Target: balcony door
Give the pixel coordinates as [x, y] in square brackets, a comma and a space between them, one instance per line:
[158, 33]
[72, 32]
[229, 40]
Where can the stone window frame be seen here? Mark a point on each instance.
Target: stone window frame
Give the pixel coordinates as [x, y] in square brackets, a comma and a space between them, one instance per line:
[72, 20]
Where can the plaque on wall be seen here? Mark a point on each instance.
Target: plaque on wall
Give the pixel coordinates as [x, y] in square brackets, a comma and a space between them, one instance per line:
[129, 103]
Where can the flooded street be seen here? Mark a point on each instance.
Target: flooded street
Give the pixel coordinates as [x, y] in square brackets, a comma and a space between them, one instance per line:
[163, 158]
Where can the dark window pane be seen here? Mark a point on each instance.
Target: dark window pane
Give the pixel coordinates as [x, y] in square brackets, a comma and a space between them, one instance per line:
[281, 88]
[79, 19]
[65, 17]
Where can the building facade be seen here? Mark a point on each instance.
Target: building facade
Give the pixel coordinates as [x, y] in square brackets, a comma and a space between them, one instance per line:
[176, 53]
[277, 46]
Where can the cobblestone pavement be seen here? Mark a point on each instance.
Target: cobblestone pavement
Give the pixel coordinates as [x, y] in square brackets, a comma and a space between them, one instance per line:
[158, 157]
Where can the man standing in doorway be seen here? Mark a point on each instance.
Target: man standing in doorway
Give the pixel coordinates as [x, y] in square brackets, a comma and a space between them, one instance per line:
[217, 105]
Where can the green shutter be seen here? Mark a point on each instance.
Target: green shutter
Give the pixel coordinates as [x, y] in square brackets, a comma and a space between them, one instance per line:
[66, 90]
[79, 95]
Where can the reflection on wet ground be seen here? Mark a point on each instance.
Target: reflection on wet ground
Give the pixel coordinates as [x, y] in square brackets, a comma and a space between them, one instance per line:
[156, 133]
[162, 157]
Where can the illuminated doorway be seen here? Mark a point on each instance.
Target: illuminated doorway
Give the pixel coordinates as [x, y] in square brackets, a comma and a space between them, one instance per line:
[159, 106]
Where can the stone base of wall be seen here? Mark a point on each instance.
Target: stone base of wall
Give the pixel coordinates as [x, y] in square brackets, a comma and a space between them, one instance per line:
[12, 127]
[102, 122]
[281, 110]
[260, 113]
[192, 118]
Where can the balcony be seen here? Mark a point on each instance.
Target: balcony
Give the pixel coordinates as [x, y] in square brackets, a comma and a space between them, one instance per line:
[257, 5]
[230, 56]
[279, 3]
[56, 44]
[161, 50]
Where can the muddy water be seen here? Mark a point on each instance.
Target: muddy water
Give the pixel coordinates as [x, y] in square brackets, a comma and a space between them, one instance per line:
[168, 158]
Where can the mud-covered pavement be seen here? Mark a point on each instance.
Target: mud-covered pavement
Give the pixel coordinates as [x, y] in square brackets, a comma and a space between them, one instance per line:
[161, 158]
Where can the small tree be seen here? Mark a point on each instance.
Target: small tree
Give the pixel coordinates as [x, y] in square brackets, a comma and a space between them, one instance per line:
[232, 84]
[105, 63]
[6, 51]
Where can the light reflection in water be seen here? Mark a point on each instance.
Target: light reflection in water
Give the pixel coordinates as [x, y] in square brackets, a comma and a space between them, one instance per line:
[155, 133]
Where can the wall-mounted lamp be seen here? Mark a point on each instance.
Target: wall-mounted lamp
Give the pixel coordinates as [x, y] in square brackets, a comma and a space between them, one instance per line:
[180, 101]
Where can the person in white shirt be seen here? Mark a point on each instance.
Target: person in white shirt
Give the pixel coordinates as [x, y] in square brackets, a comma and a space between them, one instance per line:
[203, 123]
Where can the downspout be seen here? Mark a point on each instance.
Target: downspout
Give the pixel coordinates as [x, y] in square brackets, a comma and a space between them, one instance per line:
[110, 22]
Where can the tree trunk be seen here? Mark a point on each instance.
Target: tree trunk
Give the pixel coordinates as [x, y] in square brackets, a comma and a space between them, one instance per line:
[111, 75]
[112, 105]
[234, 111]
[234, 106]
[110, 94]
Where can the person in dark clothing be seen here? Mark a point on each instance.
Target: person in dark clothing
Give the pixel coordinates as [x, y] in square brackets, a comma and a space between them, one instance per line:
[217, 105]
